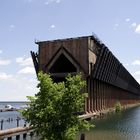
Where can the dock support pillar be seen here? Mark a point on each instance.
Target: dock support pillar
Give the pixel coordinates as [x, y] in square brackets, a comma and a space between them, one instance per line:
[82, 137]
[1, 124]
[9, 138]
[24, 135]
[18, 137]
[31, 134]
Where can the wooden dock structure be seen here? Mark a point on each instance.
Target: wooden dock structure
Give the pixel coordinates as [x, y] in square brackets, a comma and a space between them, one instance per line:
[18, 132]
[107, 79]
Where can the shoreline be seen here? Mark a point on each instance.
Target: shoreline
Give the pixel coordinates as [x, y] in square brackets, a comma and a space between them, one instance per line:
[97, 114]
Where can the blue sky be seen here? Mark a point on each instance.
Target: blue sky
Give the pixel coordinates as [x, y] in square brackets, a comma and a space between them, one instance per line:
[115, 22]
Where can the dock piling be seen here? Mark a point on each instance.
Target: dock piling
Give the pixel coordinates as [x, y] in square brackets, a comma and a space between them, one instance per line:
[9, 138]
[24, 135]
[1, 124]
[82, 137]
[18, 137]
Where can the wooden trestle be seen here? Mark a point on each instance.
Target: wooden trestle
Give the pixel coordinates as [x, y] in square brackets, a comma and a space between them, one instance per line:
[103, 96]
[107, 79]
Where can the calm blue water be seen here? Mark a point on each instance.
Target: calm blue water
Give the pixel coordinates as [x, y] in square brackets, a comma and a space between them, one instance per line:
[122, 126]
[12, 115]
[14, 104]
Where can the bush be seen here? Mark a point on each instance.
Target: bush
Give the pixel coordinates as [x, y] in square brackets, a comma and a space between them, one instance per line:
[52, 111]
[118, 106]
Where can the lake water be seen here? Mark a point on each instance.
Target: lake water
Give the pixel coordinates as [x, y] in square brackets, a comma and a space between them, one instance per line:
[121, 126]
[12, 115]
[14, 104]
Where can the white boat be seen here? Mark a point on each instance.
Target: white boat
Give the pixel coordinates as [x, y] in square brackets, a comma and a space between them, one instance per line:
[23, 107]
[8, 107]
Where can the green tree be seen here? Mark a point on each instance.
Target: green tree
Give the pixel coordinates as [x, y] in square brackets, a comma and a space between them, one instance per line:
[52, 110]
[118, 106]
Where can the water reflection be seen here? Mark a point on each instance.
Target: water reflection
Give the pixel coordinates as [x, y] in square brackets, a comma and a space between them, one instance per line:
[122, 126]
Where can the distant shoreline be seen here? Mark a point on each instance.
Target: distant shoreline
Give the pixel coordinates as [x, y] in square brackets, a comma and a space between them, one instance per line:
[14, 101]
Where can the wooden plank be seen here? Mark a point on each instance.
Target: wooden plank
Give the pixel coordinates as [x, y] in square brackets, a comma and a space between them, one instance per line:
[14, 131]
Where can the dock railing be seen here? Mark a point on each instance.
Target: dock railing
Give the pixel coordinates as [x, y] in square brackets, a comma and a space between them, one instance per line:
[21, 133]
[18, 132]
[27, 131]
[19, 121]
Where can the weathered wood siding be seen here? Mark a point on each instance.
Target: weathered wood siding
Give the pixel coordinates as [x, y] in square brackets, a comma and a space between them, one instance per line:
[77, 47]
[103, 96]
[107, 79]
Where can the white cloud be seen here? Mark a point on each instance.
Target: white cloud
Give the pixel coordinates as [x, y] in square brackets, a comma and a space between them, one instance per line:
[136, 62]
[138, 80]
[12, 27]
[52, 1]
[116, 25]
[4, 61]
[24, 61]
[127, 19]
[0, 51]
[29, 0]
[19, 84]
[126, 64]
[52, 26]
[27, 70]
[58, 1]
[133, 25]
[4, 76]
[137, 30]
[137, 73]
[46, 3]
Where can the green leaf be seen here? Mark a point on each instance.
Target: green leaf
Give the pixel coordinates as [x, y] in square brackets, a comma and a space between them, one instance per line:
[52, 110]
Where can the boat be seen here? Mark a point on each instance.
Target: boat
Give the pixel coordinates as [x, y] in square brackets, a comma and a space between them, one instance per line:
[9, 108]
